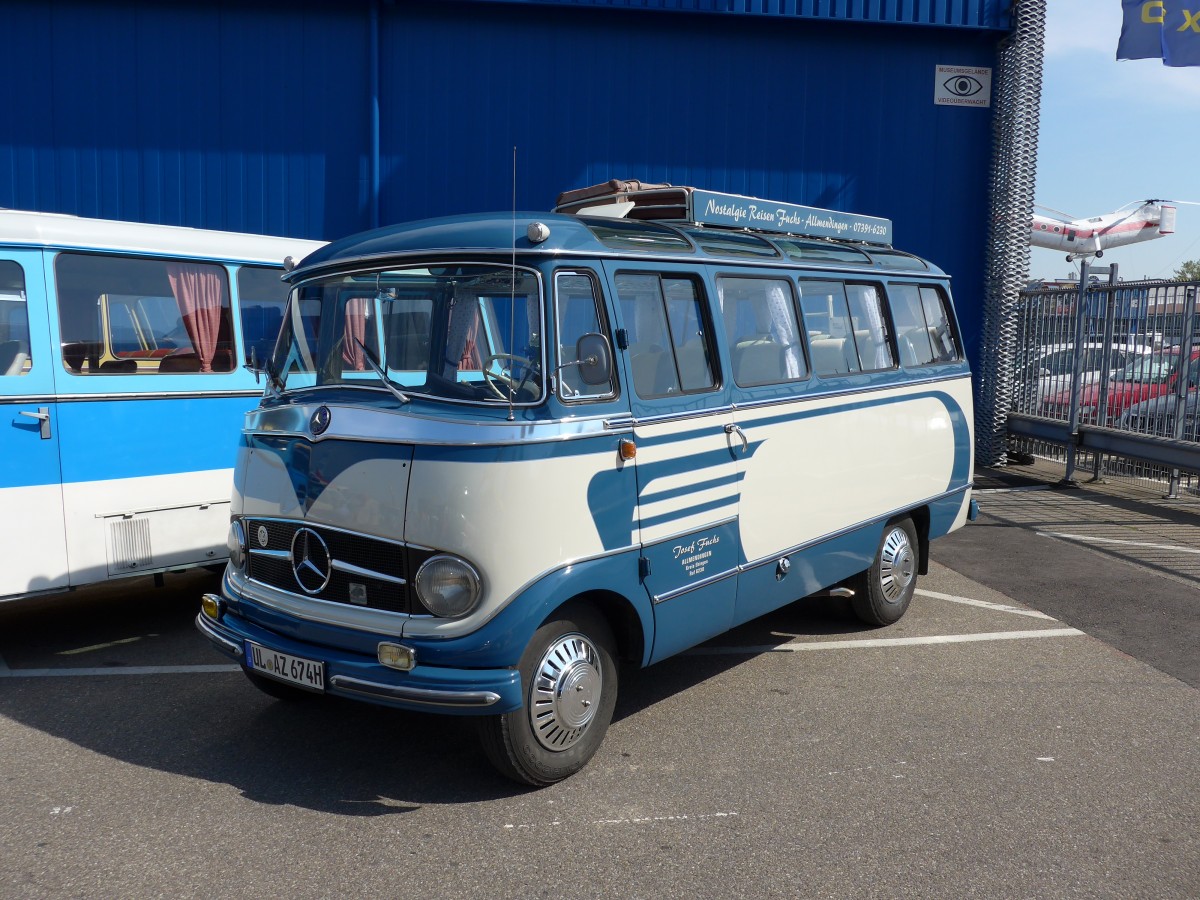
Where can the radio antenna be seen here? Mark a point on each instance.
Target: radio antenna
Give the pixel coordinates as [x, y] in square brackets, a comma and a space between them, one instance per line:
[512, 294]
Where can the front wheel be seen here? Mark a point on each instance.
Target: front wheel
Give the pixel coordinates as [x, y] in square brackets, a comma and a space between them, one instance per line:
[882, 593]
[569, 675]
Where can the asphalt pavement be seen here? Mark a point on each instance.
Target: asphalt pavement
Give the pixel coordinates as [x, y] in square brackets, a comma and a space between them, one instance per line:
[1029, 729]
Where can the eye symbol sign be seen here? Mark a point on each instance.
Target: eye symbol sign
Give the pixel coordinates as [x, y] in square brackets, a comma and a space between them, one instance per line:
[963, 85]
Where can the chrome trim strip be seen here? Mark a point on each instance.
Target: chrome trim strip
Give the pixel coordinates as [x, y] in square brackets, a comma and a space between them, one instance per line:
[322, 612]
[272, 554]
[426, 696]
[203, 504]
[635, 421]
[305, 523]
[679, 534]
[724, 409]
[366, 424]
[704, 582]
[140, 395]
[842, 532]
[365, 573]
[824, 395]
[373, 262]
[206, 627]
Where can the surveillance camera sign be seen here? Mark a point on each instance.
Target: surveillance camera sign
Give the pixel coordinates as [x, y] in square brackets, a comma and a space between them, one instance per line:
[962, 86]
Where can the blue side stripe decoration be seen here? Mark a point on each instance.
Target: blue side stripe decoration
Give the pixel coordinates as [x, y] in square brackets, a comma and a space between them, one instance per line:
[677, 515]
[695, 488]
[610, 515]
[958, 421]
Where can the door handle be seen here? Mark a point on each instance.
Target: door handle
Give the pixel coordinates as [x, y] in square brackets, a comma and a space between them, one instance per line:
[43, 416]
[733, 429]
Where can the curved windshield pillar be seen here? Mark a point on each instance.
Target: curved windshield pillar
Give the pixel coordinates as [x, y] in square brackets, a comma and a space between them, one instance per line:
[467, 333]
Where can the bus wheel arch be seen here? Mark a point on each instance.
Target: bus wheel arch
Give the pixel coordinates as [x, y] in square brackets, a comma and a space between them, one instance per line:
[920, 518]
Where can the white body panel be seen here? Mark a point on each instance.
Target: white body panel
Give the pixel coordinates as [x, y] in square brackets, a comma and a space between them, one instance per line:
[816, 475]
[130, 526]
[466, 508]
[31, 533]
[37, 229]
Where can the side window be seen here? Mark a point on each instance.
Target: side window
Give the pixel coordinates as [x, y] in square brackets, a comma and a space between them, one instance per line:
[670, 349]
[870, 327]
[937, 318]
[923, 330]
[135, 315]
[262, 296]
[830, 327]
[762, 330]
[15, 352]
[577, 312]
[912, 337]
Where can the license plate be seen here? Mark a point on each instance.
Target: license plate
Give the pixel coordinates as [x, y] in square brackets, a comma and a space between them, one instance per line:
[306, 673]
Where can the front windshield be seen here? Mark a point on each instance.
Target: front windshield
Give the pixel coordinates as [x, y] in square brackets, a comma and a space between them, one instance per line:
[456, 332]
[1148, 369]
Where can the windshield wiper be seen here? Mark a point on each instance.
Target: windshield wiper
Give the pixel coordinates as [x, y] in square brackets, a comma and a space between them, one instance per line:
[378, 370]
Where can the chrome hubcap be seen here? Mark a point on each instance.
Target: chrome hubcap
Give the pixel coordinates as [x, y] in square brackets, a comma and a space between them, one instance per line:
[565, 693]
[897, 565]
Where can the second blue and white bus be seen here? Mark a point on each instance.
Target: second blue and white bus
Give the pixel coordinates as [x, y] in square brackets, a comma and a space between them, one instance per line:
[501, 453]
[123, 379]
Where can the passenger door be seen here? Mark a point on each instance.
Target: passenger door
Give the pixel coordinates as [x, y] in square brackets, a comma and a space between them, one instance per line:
[32, 531]
[687, 477]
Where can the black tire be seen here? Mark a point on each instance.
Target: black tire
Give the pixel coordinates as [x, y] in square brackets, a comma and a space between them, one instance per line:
[883, 592]
[555, 733]
[277, 689]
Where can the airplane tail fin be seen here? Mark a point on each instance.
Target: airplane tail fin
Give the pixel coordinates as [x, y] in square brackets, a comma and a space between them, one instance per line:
[1166, 223]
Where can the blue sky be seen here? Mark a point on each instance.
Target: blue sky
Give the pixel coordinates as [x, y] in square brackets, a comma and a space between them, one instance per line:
[1113, 132]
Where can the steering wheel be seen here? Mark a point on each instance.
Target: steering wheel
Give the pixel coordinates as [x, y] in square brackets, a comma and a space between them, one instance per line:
[490, 378]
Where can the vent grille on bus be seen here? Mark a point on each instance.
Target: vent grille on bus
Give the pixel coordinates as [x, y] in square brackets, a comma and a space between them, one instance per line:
[129, 546]
[363, 571]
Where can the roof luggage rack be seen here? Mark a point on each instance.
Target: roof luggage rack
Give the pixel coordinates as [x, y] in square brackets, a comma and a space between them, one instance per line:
[642, 200]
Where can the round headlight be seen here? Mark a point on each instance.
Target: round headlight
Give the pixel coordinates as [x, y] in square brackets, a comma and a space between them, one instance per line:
[236, 542]
[448, 586]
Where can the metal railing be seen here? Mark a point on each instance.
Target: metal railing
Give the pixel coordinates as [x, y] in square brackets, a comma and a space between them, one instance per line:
[1107, 375]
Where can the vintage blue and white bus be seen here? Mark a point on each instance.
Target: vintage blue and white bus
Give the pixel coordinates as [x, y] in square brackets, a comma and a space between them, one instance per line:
[122, 373]
[498, 454]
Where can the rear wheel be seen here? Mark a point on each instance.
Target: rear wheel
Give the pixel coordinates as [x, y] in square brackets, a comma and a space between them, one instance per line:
[569, 675]
[883, 592]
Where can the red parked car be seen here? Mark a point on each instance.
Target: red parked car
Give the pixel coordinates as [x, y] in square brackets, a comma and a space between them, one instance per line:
[1145, 378]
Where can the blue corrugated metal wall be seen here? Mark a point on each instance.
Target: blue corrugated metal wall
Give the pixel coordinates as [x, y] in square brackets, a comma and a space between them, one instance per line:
[961, 13]
[236, 116]
[809, 112]
[256, 117]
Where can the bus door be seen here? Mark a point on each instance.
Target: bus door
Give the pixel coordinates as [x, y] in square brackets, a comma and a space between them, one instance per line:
[31, 513]
[686, 471]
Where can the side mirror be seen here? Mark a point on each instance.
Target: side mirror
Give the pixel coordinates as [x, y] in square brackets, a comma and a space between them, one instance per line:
[594, 358]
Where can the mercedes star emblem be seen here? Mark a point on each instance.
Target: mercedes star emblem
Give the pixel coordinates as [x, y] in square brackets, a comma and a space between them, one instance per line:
[320, 420]
[311, 563]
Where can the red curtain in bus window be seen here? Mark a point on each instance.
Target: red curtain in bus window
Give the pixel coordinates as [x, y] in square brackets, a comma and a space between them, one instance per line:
[199, 292]
[355, 334]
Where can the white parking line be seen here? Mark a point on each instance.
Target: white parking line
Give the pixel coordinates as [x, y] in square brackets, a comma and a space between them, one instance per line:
[1013, 490]
[753, 650]
[1087, 538]
[998, 607]
[6, 672]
